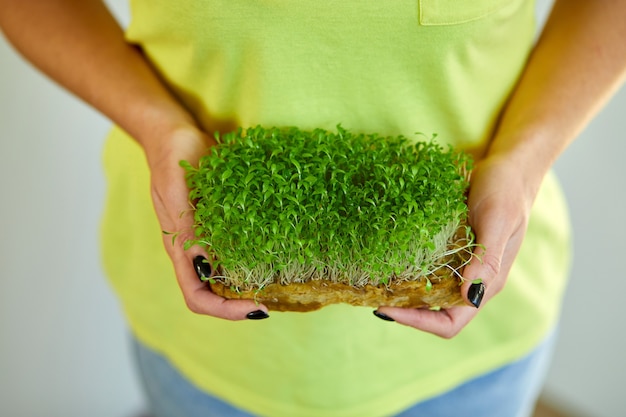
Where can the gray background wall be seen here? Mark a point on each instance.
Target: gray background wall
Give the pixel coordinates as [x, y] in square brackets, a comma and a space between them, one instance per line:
[63, 344]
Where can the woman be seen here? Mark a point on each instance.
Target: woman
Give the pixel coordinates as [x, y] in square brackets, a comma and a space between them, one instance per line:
[467, 71]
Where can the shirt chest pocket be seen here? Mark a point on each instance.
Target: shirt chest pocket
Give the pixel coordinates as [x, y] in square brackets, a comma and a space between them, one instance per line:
[452, 12]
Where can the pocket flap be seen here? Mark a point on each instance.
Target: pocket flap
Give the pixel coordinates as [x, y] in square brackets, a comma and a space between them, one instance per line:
[452, 12]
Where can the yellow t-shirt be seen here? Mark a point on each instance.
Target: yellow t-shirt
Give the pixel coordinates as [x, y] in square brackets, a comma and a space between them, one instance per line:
[391, 67]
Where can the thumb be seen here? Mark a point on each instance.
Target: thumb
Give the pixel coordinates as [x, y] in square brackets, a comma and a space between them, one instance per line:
[500, 228]
[478, 275]
[482, 275]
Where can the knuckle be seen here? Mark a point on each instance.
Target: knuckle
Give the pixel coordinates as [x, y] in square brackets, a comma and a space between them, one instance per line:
[448, 334]
[492, 263]
[178, 240]
[184, 236]
[192, 305]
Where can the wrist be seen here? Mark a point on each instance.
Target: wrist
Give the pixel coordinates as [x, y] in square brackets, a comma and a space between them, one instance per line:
[528, 154]
[155, 127]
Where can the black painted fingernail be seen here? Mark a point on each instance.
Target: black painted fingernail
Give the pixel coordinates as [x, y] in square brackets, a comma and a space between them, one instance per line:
[475, 293]
[257, 315]
[382, 316]
[203, 267]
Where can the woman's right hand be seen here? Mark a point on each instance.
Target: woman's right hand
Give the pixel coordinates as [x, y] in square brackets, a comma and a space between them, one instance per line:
[170, 196]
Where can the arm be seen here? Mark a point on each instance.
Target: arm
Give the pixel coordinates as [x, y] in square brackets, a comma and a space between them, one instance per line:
[80, 45]
[577, 64]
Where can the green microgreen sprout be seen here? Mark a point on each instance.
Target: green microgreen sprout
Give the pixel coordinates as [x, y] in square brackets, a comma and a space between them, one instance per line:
[283, 205]
[173, 234]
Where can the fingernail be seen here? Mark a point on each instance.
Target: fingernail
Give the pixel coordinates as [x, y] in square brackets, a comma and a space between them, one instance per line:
[475, 294]
[203, 268]
[257, 315]
[382, 316]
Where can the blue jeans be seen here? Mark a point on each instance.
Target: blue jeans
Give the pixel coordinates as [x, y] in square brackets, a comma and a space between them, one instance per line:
[510, 391]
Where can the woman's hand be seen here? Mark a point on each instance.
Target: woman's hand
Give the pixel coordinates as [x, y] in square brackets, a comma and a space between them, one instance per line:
[577, 64]
[499, 205]
[171, 203]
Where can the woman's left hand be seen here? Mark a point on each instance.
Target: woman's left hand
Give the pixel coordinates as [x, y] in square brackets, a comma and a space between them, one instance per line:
[577, 64]
[499, 205]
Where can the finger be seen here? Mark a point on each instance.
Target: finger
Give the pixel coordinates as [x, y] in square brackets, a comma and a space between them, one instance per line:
[479, 275]
[169, 185]
[443, 323]
[197, 294]
[496, 235]
[171, 200]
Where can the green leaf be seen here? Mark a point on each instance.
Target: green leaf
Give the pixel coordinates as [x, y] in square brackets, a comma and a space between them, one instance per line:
[226, 174]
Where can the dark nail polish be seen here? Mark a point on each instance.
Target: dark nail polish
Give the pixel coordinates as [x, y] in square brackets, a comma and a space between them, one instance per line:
[382, 316]
[203, 267]
[257, 315]
[475, 294]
